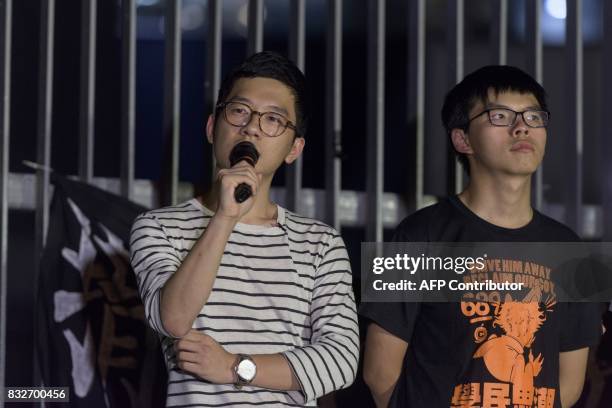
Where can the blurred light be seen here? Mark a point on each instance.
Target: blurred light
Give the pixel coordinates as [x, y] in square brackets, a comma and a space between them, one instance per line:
[161, 25]
[147, 2]
[242, 16]
[192, 17]
[556, 9]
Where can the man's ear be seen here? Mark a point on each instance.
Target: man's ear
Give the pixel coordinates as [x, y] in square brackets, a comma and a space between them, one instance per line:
[461, 141]
[296, 150]
[210, 128]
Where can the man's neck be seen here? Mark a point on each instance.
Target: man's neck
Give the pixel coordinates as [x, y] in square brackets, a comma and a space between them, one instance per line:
[501, 201]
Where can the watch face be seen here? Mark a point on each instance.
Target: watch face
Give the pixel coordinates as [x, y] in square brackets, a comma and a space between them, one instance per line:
[247, 370]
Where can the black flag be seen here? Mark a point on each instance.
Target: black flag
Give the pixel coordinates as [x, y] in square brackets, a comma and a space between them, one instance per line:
[92, 335]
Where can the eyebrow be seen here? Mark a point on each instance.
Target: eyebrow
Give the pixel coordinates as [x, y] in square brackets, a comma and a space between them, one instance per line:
[279, 109]
[497, 105]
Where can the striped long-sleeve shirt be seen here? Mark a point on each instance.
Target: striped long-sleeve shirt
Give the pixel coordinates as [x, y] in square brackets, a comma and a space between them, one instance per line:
[284, 288]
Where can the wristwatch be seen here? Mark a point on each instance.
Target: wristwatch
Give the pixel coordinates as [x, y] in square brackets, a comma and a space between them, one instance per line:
[245, 370]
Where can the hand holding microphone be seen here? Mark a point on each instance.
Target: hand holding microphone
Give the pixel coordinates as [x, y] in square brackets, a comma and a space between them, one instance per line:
[243, 151]
[238, 182]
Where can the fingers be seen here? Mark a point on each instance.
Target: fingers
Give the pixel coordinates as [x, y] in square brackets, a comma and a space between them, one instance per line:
[199, 354]
[191, 351]
[188, 367]
[242, 164]
[186, 345]
[187, 357]
[188, 351]
[194, 335]
[191, 341]
[227, 174]
[231, 178]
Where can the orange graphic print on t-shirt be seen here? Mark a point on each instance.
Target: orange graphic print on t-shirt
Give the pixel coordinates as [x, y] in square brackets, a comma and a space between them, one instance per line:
[507, 352]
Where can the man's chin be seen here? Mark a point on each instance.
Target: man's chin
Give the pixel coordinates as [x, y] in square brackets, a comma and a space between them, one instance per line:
[523, 169]
[526, 172]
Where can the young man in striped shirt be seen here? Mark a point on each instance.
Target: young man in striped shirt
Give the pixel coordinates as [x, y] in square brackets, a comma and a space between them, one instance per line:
[254, 304]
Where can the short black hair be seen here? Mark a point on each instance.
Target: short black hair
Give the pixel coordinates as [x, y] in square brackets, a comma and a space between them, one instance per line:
[269, 64]
[475, 88]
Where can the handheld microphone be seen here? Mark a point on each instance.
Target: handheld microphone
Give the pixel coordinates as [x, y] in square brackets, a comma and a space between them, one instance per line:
[243, 151]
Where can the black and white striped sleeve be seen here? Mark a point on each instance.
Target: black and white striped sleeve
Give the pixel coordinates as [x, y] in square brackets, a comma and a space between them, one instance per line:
[330, 362]
[154, 260]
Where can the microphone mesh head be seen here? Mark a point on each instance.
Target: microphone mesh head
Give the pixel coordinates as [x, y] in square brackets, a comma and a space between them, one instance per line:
[244, 151]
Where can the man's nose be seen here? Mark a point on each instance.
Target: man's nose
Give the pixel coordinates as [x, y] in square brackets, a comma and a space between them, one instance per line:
[252, 126]
[519, 127]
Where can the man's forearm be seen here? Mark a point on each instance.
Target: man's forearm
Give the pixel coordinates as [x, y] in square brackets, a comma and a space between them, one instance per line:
[568, 396]
[572, 369]
[382, 365]
[381, 389]
[382, 399]
[187, 290]
[274, 373]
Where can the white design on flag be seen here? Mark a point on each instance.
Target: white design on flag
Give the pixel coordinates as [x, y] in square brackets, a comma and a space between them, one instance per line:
[82, 364]
[114, 246]
[85, 358]
[68, 303]
[87, 252]
[65, 304]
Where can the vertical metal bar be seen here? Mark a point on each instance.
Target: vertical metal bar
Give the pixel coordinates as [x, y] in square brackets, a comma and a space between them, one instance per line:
[172, 93]
[5, 106]
[43, 143]
[534, 38]
[45, 108]
[255, 37]
[376, 118]
[416, 94]
[213, 73]
[297, 39]
[534, 64]
[213, 81]
[573, 197]
[499, 32]
[455, 40]
[128, 95]
[606, 129]
[88, 80]
[333, 112]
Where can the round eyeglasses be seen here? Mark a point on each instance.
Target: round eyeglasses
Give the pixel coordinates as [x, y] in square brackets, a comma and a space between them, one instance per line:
[271, 124]
[507, 117]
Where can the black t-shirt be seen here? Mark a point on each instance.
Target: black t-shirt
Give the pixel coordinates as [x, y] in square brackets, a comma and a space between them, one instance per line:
[470, 354]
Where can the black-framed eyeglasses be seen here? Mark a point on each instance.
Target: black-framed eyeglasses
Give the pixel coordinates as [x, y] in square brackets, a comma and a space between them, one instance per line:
[507, 117]
[271, 124]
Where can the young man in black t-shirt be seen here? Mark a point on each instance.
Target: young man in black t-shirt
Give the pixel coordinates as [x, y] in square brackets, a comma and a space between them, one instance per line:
[525, 353]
